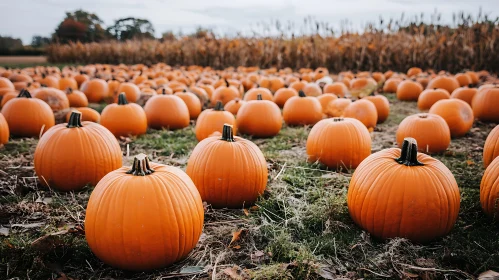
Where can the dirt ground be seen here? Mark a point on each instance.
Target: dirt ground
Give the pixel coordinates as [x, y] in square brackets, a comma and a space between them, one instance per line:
[299, 229]
[22, 60]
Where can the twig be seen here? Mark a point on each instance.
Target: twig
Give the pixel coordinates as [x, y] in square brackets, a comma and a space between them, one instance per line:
[280, 172]
[375, 273]
[434, 269]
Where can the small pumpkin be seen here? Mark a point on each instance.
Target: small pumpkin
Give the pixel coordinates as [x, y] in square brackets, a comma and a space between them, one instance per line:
[464, 93]
[260, 118]
[167, 111]
[403, 193]
[56, 99]
[225, 94]
[282, 95]
[49, 81]
[144, 217]
[339, 143]
[312, 89]
[67, 82]
[382, 106]
[7, 97]
[193, 103]
[233, 106]
[409, 90]
[4, 130]
[76, 98]
[87, 115]
[131, 90]
[430, 96]
[96, 90]
[253, 93]
[338, 88]
[485, 104]
[457, 114]
[445, 82]
[298, 85]
[302, 110]
[325, 99]
[123, 118]
[213, 120]
[489, 190]
[463, 79]
[337, 107]
[473, 77]
[430, 131]
[69, 156]
[390, 86]
[414, 71]
[362, 86]
[364, 111]
[6, 84]
[491, 147]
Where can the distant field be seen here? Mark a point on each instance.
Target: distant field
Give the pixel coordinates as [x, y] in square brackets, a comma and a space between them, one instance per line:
[22, 60]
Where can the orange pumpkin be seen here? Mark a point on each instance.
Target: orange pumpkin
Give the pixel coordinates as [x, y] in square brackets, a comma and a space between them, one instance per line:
[81, 78]
[463, 79]
[96, 90]
[409, 90]
[74, 165]
[339, 89]
[166, 111]
[312, 89]
[302, 110]
[382, 106]
[4, 130]
[49, 81]
[67, 83]
[276, 83]
[425, 206]
[457, 114]
[473, 77]
[445, 82]
[485, 105]
[124, 119]
[193, 103]
[430, 96]
[364, 111]
[213, 120]
[464, 93]
[6, 84]
[325, 99]
[390, 86]
[200, 93]
[260, 118]
[87, 115]
[414, 71]
[491, 147]
[337, 107]
[233, 106]
[131, 90]
[489, 190]
[228, 171]
[361, 87]
[253, 93]
[76, 98]
[152, 214]
[7, 97]
[56, 99]
[339, 143]
[224, 94]
[283, 95]
[430, 131]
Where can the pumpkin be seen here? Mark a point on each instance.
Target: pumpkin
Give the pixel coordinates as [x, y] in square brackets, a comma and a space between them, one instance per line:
[96, 90]
[200, 93]
[339, 143]
[167, 111]
[253, 93]
[67, 83]
[463, 79]
[4, 130]
[225, 94]
[378, 77]
[489, 190]
[6, 84]
[212, 120]
[414, 71]
[7, 97]
[260, 118]
[445, 82]
[76, 98]
[87, 115]
[464, 93]
[276, 83]
[430, 131]
[282, 95]
[485, 104]
[337, 107]
[49, 81]
[390, 86]
[193, 103]
[144, 217]
[457, 114]
[430, 96]
[131, 91]
[364, 111]
[81, 78]
[71, 155]
[312, 89]
[473, 77]
[233, 106]
[27, 116]
[298, 85]
[325, 99]
[302, 110]
[56, 99]
[361, 87]
[491, 147]
[228, 171]
[409, 90]
[382, 106]
[403, 193]
[209, 90]
[338, 88]
[123, 118]
[15, 78]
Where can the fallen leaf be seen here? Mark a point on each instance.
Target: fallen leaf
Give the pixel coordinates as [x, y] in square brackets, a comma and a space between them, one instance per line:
[237, 247]
[246, 212]
[410, 275]
[254, 208]
[326, 273]
[4, 231]
[488, 275]
[236, 235]
[469, 162]
[258, 256]
[232, 272]
[33, 225]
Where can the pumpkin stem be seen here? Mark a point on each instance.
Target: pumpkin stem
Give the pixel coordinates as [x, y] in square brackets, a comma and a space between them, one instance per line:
[69, 90]
[74, 120]
[226, 83]
[259, 97]
[140, 166]
[122, 99]
[337, 119]
[409, 153]
[423, 116]
[24, 93]
[164, 91]
[228, 133]
[302, 94]
[219, 106]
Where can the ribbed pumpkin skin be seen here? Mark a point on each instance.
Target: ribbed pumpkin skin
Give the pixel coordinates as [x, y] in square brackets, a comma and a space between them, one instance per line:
[489, 190]
[457, 114]
[253, 93]
[302, 111]
[382, 106]
[491, 147]
[233, 106]
[447, 83]
[56, 99]
[4, 130]
[166, 111]
[211, 121]
[124, 120]
[339, 143]
[260, 118]
[95, 90]
[228, 174]
[67, 159]
[409, 90]
[464, 93]
[485, 104]
[430, 131]
[27, 116]
[77, 98]
[364, 111]
[390, 200]
[430, 96]
[144, 222]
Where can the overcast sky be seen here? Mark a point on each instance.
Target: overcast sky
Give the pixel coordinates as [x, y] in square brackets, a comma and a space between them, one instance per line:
[25, 18]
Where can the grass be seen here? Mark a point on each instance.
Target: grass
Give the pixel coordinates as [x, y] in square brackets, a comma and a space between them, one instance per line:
[299, 229]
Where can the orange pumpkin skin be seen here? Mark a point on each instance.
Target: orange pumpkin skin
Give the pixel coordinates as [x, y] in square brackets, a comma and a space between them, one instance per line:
[489, 190]
[7, 97]
[166, 111]
[233, 106]
[213, 120]
[193, 103]
[200, 93]
[312, 89]
[382, 106]
[339, 143]
[81, 78]
[260, 118]
[364, 111]
[27, 116]
[464, 93]
[6, 83]
[447, 83]
[302, 110]
[87, 115]
[409, 90]
[67, 83]
[413, 71]
[299, 85]
[457, 114]
[390, 86]
[253, 93]
[73, 166]
[282, 95]
[96, 90]
[474, 77]
[131, 91]
[4, 130]
[76, 98]
[56, 99]
[491, 147]
[123, 118]
[392, 195]
[485, 104]
[430, 131]
[463, 79]
[325, 99]
[276, 84]
[146, 222]
[225, 94]
[228, 171]
[430, 96]
[336, 107]
[337, 88]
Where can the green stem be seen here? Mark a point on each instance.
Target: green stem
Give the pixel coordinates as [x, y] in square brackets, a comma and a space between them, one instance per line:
[122, 99]
[228, 133]
[409, 153]
[219, 106]
[140, 166]
[74, 120]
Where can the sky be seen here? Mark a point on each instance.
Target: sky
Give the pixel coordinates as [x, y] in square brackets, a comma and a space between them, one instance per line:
[25, 18]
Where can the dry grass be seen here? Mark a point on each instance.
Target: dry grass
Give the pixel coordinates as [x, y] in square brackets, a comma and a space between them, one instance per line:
[22, 60]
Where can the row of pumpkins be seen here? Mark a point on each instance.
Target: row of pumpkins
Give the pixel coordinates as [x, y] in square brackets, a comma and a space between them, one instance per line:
[151, 215]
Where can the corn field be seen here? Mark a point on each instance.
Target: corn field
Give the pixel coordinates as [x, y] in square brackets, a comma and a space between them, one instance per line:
[470, 45]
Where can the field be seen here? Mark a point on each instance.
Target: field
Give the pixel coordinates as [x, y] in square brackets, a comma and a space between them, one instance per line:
[299, 229]
[15, 61]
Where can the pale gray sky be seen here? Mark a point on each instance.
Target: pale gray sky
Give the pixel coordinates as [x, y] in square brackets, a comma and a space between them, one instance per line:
[25, 18]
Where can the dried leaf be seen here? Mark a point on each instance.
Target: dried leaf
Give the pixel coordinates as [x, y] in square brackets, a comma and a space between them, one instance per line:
[236, 235]
[469, 162]
[232, 272]
[326, 273]
[33, 225]
[4, 231]
[488, 275]
[237, 247]
[246, 212]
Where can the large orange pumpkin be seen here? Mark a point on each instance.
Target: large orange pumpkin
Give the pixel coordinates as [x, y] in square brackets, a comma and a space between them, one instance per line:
[445, 82]
[96, 90]
[364, 111]
[400, 193]
[337, 107]
[123, 118]
[144, 217]
[485, 104]
[4, 130]
[337, 88]
[430, 96]
[193, 103]
[489, 190]
[282, 95]
[464, 93]
[457, 114]
[339, 143]
[430, 131]
[302, 110]
[213, 120]
[409, 90]
[56, 99]
[166, 111]
[228, 171]
[382, 106]
[260, 118]
[69, 156]
[491, 147]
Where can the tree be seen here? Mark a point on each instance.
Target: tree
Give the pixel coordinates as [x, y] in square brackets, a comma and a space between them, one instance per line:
[9, 43]
[131, 28]
[39, 41]
[80, 26]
